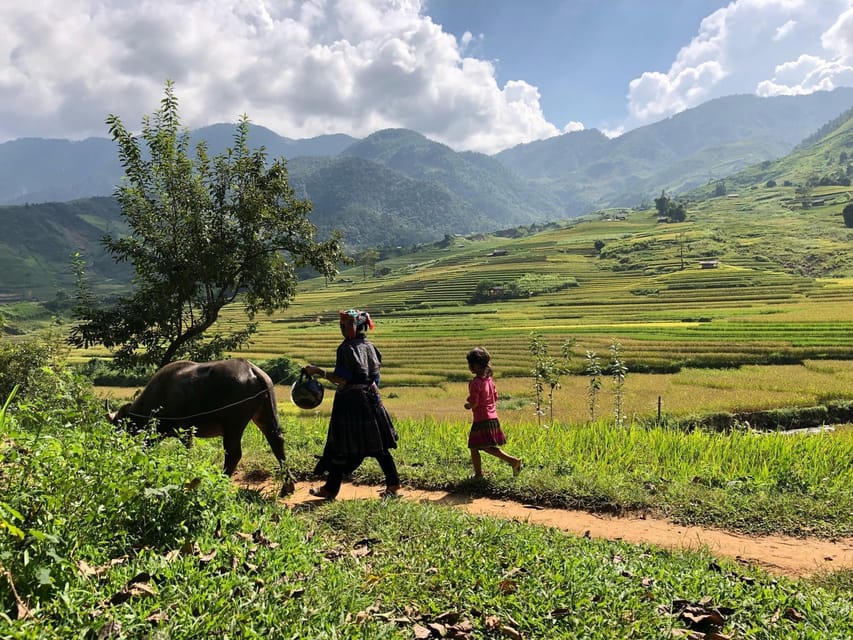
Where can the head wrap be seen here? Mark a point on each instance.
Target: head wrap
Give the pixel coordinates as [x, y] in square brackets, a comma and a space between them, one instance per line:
[355, 321]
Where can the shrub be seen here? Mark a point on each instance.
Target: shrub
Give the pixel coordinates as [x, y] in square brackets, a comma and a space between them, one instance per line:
[38, 370]
[282, 370]
[848, 215]
[73, 489]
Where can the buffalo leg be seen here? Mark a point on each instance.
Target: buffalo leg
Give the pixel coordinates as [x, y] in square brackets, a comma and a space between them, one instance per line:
[233, 449]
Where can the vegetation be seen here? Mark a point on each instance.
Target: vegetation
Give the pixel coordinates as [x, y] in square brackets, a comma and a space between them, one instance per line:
[203, 231]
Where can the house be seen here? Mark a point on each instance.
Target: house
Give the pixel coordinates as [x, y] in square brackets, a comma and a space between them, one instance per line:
[497, 252]
[709, 264]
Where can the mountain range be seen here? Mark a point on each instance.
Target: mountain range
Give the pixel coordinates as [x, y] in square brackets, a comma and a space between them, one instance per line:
[398, 188]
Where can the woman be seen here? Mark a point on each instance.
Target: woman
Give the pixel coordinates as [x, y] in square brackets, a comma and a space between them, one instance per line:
[360, 425]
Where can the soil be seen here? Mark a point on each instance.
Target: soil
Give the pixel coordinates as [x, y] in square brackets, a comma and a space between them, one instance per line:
[779, 555]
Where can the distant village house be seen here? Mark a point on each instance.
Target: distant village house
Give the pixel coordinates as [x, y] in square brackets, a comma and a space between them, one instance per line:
[709, 264]
[497, 252]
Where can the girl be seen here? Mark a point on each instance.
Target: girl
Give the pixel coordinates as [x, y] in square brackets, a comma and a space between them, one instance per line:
[486, 433]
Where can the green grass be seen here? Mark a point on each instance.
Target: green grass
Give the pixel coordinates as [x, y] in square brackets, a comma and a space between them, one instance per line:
[790, 484]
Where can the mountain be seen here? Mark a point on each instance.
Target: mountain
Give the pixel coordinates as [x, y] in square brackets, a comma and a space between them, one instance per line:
[373, 203]
[478, 179]
[38, 241]
[376, 206]
[824, 159]
[679, 153]
[34, 170]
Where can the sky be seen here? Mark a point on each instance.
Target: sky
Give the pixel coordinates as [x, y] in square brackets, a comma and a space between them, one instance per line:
[480, 75]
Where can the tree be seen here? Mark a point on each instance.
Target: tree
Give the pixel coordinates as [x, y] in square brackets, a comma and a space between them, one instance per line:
[848, 216]
[666, 206]
[202, 232]
[368, 258]
[547, 370]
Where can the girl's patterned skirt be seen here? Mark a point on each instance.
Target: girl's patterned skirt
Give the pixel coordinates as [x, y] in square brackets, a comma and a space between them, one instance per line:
[486, 433]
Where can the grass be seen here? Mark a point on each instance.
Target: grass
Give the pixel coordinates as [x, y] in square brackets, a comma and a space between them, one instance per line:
[791, 484]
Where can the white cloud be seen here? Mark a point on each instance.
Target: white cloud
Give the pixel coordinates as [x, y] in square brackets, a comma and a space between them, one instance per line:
[768, 47]
[784, 30]
[299, 67]
[573, 126]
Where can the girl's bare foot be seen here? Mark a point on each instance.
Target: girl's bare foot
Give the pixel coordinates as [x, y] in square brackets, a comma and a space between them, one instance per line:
[516, 469]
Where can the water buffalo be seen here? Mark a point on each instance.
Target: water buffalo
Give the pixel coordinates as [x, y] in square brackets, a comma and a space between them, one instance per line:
[209, 400]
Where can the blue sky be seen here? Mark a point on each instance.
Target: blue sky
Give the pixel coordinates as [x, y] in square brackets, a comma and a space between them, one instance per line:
[480, 75]
[581, 54]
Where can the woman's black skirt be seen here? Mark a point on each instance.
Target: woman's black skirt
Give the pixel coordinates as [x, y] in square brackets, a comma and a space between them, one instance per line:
[360, 426]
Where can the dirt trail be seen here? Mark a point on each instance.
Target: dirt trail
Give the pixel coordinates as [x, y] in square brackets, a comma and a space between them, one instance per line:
[780, 555]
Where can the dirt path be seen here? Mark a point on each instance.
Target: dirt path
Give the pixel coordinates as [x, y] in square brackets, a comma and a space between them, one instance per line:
[780, 555]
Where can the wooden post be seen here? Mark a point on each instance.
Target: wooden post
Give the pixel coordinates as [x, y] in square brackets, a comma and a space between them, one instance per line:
[658, 408]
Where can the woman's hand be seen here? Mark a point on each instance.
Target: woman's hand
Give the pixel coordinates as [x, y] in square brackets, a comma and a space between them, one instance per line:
[311, 370]
[467, 405]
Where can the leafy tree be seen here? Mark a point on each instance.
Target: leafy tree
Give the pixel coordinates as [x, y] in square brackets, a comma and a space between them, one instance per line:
[203, 231]
[666, 206]
[720, 188]
[368, 258]
[848, 215]
[599, 245]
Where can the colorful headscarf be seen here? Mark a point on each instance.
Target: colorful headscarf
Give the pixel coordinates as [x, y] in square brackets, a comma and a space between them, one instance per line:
[355, 321]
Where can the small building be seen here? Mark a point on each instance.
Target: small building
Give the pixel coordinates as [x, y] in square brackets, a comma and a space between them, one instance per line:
[497, 252]
[709, 264]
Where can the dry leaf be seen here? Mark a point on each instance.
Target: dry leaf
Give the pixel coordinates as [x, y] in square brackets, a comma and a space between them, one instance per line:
[206, 558]
[492, 622]
[85, 569]
[192, 484]
[509, 632]
[421, 633]
[157, 617]
[112, 628]
[507, 586]
[793, 615]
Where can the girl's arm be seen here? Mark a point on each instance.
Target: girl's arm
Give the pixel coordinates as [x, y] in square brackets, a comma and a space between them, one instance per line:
[472, 401]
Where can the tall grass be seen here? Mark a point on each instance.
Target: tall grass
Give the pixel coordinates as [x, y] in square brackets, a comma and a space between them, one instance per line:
[794, 484]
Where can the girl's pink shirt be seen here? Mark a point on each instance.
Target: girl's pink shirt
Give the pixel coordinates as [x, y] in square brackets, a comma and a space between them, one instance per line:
[483, 398]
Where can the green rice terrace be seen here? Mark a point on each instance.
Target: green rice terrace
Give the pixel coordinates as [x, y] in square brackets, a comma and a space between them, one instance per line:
[752, 290]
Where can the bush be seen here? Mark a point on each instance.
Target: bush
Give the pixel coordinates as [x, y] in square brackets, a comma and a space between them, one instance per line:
[38, 370]
[848, 215]
[101, 373]
[282, 370]
[73, 489]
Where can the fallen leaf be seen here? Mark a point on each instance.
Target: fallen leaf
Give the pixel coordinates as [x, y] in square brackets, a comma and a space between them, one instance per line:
[437, 629]
[492, 622]
[157, 617]
[509, 632]
[507, 586]
[112, 628]
[793, 615]
[421, 633]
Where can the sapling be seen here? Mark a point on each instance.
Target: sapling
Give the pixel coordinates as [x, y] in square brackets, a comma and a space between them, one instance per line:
[593, 371]
[618, 371]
